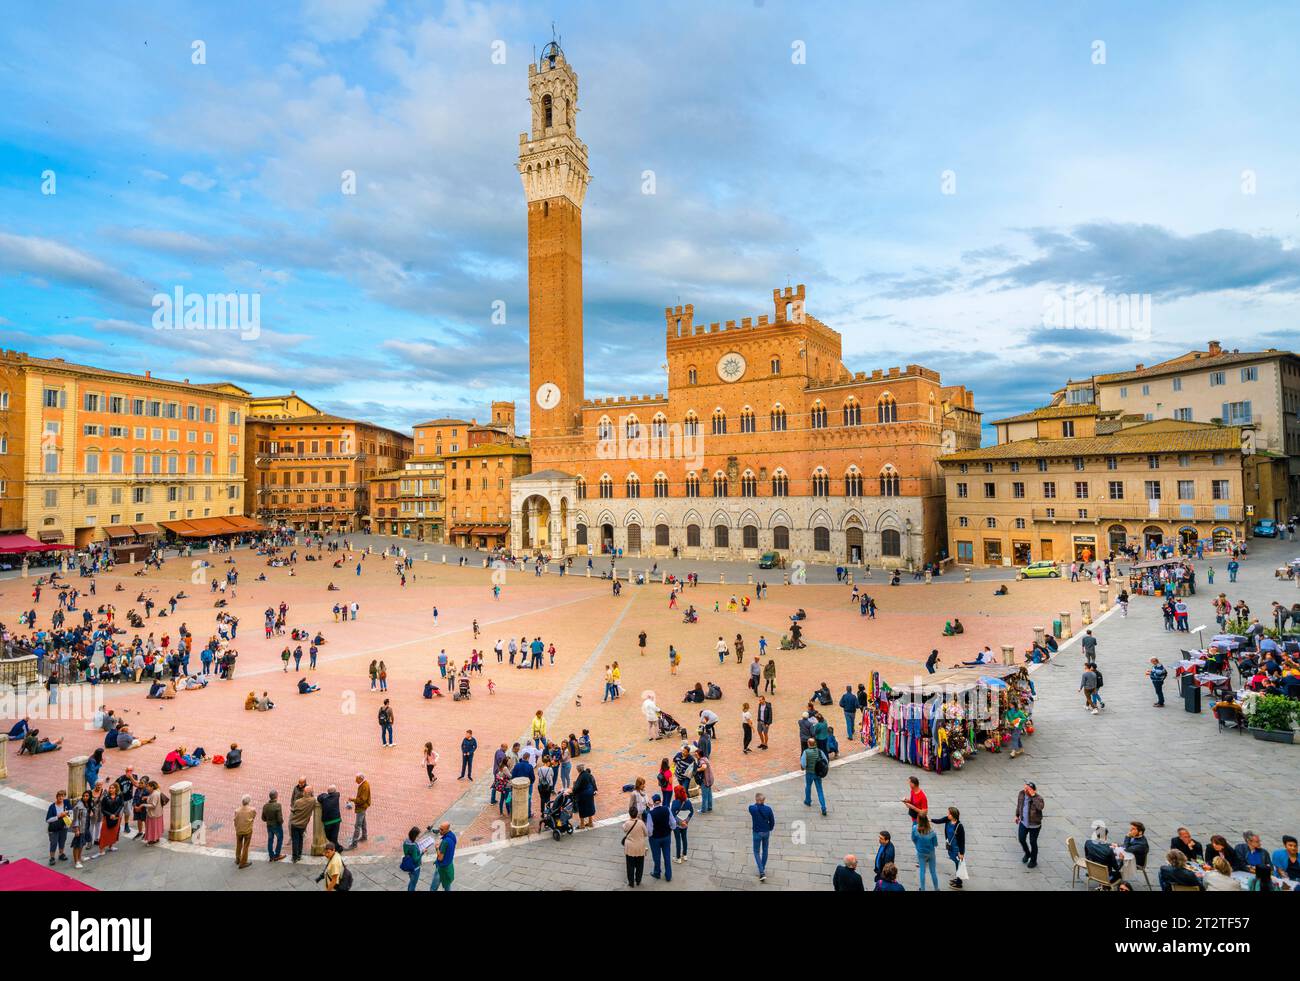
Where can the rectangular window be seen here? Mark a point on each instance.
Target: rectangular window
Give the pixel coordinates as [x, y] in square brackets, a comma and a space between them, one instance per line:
[1178, 384]
[1250, 374]
[1049, 489]
[1221, 490]
[1217, 378]
[1146, 389]
[1067, 428]
[961, 490]
[1018, 489]
[1042, 466]
[1186, 490]
[1078, 463]
[966, 552]
[1153, 462]
[1183, 414]
[1236, 413]
[1081, 490]
[990, 490]
[1115, 489]
[1152, 488]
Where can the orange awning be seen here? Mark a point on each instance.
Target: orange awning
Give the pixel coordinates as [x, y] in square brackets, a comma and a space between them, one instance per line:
[118, 531]
[144, 531]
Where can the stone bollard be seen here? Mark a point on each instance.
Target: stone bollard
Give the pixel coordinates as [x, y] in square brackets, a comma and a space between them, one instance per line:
[318, 838]
[1008, 654]
[1103, 597]
[1038, 635]
[130, 561]
[750, 579]
[426, 556]
[663, 578]
[929, 577]
[588, 572]
[967, 579]
[180, 828]
[722, 578]
[1085, 612]
[1066, 632]
[4, 746]
[444, 558]
[77, 776]
[519, 807]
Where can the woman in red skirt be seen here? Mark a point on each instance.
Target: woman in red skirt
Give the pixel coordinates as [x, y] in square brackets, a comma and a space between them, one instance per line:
[113, 806]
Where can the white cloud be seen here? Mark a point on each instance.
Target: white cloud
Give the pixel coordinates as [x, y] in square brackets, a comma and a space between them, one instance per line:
[200, 182]
[339, 20]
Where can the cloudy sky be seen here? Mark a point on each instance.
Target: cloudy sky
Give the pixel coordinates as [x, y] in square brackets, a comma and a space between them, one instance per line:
[954, 182]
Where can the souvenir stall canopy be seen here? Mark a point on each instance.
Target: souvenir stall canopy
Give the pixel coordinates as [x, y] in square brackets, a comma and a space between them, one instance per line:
[940, 723]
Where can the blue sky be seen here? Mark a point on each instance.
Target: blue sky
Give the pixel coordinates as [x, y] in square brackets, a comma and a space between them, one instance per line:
[1161, 162]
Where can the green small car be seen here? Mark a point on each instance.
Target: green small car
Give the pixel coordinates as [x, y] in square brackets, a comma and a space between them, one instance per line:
[1040, 570]
[769, 560]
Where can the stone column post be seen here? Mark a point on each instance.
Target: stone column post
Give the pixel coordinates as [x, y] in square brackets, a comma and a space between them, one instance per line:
[1008, 654]
[967, 577]
[77, 776]
[750, 579]
[1066, 632]
[929, 577]
[1103, 599]
[4, 746]
[1039, 633]
[588, 572]
[1085, 610]
[663, 578]
[318, 839]
[180, 828]
[518, 807]
[722, 578]
[444, 558]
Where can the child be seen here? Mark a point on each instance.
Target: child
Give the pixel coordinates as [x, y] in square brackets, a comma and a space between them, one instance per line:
[492, 687]
[584, 741]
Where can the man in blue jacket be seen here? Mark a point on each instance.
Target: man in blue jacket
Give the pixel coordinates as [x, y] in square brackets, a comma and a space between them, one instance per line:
[884, 854]
[849, 703]
[763, 821]
[661, 823]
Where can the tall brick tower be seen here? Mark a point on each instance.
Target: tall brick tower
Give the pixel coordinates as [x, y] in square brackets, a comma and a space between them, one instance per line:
[553, 167]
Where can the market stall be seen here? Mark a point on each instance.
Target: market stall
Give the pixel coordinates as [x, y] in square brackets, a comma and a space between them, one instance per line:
[940, 723]
[1150, 578]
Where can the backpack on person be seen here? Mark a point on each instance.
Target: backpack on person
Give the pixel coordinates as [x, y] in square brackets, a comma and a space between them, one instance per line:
[822, 766]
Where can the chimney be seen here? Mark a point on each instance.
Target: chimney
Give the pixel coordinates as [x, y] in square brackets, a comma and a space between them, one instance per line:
[1215, 349]
[1140, 367]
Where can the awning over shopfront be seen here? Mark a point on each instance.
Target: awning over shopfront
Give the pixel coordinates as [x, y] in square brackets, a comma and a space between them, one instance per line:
[491, 531]
[17, 544]
[234, 524]
[119, 531]
[146, 531]
[51, 536]
[462, 530]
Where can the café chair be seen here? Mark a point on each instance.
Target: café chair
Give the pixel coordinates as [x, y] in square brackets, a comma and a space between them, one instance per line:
[1099, 874]
[1080, 865]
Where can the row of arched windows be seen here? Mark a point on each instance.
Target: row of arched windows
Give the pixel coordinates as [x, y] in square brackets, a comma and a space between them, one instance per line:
[819, 418]
[891, 540]
[854, 484]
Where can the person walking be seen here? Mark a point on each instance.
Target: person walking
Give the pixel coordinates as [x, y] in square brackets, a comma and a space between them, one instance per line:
[814, 764]
[927, 843]
[431, 765]
[1088, 685]
[1029, 822]
[762, 823]
[468, 746]
[386, 724]
[682, 810]
[954, 837]
[634, 846]
[1089, 645]
[57, 820]
[273, 818]
[661, 821]
[301, 811]
[849, 704]
[360, 805]
[445, 862]
[769, 676]
[746, 727]
[412, 858]
[764, 721]
[1158, 673]
[244, 818]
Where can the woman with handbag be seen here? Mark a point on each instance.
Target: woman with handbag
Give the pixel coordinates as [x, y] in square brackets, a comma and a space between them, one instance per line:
[954, 836]
[80, 822]
[412, 858]
[57, 820]
[634, 845]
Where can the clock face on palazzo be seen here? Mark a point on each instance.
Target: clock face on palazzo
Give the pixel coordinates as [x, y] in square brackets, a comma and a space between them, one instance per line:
[731, 366]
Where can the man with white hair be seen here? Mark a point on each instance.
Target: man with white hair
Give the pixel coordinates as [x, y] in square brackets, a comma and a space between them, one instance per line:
[651, 712]
[244, 818]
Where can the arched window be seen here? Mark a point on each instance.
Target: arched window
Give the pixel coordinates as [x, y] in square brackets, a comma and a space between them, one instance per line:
[659, 426]
[780, 484]
[853, 483]
[821, 483]
[719, 484]
[852, 412]
[719, 422]
[776, 366]
[632, 426]
[821, 539]
[661, 485]
[606, 485]
[604, 429]
[747, 420]
[891, 543]
[661, 535]
[780, 537]
[546, 111]
[582, 534]
[692, 536]
[886, 409]
[748, 484]
[888, 481]
[632, 485]
[749, 536]
[692, 485]
[818, 415]
[778, 418]
[721, 536]
[692, 376]
[582, 489]
[691, 425]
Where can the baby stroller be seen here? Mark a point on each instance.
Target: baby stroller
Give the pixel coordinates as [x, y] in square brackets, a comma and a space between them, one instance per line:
[462, 689]
[669, 726]
[558, 815]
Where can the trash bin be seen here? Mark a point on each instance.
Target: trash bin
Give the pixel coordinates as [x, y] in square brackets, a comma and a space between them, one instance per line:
[1056, 629]
[196, 809]
[1191, 694]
